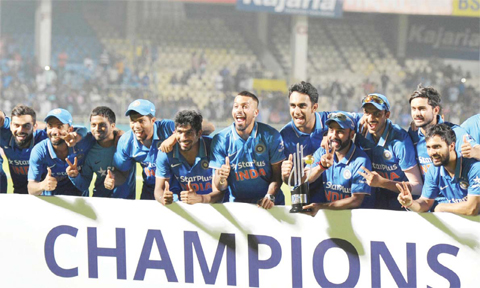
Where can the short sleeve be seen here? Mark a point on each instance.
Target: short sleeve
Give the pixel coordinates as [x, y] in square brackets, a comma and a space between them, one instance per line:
[276, 148]
[163, 166]
[474, 179]
[405, 152]
[36, 167]
[219, 152]
[430, 188]
[121, 159]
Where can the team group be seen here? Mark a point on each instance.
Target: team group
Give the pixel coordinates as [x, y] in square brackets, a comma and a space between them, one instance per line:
[360, 160]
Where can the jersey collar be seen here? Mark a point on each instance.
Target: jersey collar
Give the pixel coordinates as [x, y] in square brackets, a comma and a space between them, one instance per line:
[383, 139]
[253, 134]
[348, 157]
[318, 126]
[458, 168]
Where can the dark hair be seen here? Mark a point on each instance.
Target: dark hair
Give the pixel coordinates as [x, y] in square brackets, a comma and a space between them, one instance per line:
[434, 98]
[189, 117]
[304, 88]
[104, 111]
[251, 95]
[21, 110]
[443, 131]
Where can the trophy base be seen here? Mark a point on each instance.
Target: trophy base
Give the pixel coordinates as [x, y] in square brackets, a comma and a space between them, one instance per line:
[299, 198]
[299, 209]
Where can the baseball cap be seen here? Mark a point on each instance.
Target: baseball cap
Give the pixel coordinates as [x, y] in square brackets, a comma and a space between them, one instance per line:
[342, 119]
[142, 107]
[61, 114]
[377, 100]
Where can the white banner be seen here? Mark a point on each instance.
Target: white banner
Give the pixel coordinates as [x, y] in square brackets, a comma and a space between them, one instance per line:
[93, 242]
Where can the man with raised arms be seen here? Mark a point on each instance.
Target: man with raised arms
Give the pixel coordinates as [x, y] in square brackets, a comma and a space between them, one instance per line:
[390, 149]
[452, 184]
[247, 157]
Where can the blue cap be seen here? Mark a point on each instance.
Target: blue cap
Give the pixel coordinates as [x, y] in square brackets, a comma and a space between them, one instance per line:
[142, 107]
[377, 100]
[61, 114]
[342, 119]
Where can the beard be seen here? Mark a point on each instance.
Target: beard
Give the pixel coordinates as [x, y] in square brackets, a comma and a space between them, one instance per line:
[25, 142]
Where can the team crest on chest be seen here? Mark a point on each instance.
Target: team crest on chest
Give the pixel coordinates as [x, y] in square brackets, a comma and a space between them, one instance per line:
[260, 148]
[347, 174]
[463, 184]
[387, 155]
[204, 164]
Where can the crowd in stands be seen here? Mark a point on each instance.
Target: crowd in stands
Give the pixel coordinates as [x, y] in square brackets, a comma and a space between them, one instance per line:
[110, 79]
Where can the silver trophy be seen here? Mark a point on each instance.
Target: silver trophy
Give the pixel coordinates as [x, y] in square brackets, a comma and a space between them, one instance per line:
[299, 191]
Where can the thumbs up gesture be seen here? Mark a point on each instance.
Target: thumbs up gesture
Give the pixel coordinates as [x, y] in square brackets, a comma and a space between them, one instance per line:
[190, 196]
[50, 182]
[167, 194]
[404, 197]
[467, 149]
[287, 166]
[109, 182]
[72, 170]
[224, 171]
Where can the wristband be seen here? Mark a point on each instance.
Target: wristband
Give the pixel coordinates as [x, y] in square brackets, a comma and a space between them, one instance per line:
[321, 165]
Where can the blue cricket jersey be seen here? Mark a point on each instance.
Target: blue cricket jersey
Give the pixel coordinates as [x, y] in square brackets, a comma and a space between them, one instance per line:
[43, 155]
[310, 142]
[472, 126]
[393, 154]
[250, 161]
[173, 164]
[99, 160]
[18, 158]
[421, 146]
[130, 150]
[342, 179]
[439, 185]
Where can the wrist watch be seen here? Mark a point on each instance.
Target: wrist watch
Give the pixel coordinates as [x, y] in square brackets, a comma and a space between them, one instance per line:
[270, 197]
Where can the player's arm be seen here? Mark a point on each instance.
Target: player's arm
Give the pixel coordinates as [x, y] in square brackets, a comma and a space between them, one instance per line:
[207, 127]
[471, 207]
[273, 187]
[346, 203]
[376, 180]
[83, 180]
[167, 145]
[122, 161]
[423, 204]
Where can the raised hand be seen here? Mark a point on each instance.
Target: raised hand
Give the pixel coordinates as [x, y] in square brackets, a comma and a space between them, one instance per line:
[50, 182]
[72, 170]
[287, 167]
[373, 178]
[190, 196]
[69, 137]
[167, 194]
[327, 159]
[405, 196]
[109, 182]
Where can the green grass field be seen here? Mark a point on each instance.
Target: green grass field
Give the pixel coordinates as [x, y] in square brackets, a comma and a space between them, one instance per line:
[285, 189]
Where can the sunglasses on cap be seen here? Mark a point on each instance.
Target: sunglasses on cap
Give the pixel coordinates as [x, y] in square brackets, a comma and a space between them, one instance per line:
[338, 115]
[373, 98]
